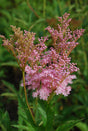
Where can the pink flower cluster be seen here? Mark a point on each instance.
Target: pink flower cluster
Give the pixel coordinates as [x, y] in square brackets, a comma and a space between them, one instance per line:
[47, 71]
[50, 75]
[20, 45]
[50, 71]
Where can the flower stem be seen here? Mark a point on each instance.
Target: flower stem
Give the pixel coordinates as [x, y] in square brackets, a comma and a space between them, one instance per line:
[32, 9]
[44, 7]
[26, 97]
[50, 97]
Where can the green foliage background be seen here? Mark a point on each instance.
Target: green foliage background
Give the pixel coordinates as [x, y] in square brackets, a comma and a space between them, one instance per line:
[35, 15]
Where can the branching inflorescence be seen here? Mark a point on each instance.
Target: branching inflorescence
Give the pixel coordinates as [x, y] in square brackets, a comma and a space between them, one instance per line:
[47, 72]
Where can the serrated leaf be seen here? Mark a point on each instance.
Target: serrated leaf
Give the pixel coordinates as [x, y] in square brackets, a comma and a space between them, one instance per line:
[21, 127]
[29, 125]
[67, 125]
[23, 112]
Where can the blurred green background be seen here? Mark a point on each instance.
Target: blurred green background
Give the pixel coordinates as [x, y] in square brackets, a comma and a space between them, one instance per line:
[35, 15]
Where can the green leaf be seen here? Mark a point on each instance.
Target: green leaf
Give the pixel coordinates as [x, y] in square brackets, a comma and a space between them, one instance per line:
[22, 127]
[50, 117]
[23, 112]
[67, 125]
[82, 126]
[9, 86]
[11, 63]
[29, 126]
[12, 95]
[21, 21]
[6, 14]
[43, 114]
[84, 55]
[26, 128]
[2, 127]
[35, 23]
[5, 121]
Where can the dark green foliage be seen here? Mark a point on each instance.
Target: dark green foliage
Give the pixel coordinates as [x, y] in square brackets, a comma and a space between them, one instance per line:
[67, 125]
[65, 112]
[5, 123]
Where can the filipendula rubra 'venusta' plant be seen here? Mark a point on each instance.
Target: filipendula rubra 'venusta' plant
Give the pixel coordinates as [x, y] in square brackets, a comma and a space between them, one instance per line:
[47, 72]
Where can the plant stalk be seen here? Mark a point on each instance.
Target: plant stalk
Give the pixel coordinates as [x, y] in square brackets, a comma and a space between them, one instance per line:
[26, 97]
